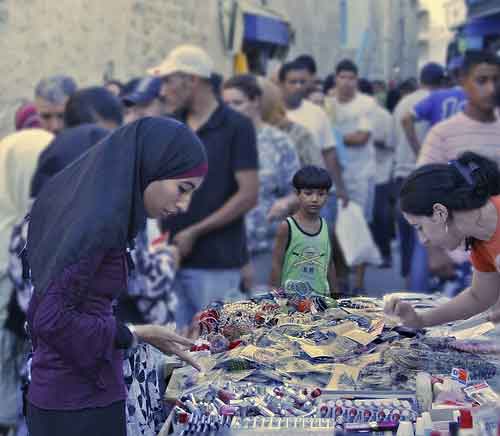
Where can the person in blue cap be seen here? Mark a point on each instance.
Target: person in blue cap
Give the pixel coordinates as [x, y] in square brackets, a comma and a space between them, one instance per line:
[144, 100]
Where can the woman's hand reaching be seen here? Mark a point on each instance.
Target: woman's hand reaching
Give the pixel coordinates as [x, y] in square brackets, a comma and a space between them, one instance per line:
[405, 311]
[167, 341]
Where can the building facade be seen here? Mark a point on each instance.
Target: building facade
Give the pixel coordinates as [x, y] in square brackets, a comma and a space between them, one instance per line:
[455, 12]
[92, 40]
[381, 35]
[434, 36]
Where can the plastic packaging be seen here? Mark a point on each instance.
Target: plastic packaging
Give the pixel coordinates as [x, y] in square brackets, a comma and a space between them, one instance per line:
[486, 420]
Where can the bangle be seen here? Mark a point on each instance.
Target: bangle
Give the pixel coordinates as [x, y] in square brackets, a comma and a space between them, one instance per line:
[135, 338]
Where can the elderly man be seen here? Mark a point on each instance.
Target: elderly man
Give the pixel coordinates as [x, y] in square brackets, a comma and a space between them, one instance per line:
[51, 95]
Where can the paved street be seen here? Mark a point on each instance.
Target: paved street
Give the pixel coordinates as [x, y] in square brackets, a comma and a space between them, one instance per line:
[380, 281]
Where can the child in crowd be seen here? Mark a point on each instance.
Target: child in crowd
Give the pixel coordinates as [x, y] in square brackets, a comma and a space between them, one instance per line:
[302, 250]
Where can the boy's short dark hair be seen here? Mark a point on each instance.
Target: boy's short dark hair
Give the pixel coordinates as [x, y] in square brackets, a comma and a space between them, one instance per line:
[346, 65]
[473, 58]
[312, 177]
[288, 67]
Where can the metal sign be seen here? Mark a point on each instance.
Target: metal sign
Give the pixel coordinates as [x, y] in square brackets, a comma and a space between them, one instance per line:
[231, 23]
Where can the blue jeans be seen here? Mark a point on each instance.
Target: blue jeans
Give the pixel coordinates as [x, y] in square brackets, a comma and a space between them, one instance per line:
[197, 288]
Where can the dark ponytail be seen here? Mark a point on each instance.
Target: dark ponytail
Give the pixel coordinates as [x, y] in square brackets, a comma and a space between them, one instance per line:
[463, 184]
[485, 174]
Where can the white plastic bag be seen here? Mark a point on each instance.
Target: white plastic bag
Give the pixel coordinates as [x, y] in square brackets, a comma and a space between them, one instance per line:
[354, 236]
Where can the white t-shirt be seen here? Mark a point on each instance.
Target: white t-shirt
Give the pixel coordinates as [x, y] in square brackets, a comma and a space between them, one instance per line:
[382, 132]
[313, 118]
[405, 158]
[351, 117]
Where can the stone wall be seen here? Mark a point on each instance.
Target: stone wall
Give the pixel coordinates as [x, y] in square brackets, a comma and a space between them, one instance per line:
[90, 38]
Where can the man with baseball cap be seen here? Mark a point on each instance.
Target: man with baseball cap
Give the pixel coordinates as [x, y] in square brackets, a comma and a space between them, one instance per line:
[211, 235]
[144, 100]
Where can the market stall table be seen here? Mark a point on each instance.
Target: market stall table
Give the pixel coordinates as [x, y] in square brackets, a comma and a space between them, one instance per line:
[297, 362]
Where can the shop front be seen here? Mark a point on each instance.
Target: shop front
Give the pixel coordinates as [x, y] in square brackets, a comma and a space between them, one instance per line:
[481, 31]
[254, 34]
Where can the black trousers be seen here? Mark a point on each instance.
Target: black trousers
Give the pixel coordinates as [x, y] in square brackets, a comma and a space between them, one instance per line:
[382, 226]
[99, 421]
[406, 236]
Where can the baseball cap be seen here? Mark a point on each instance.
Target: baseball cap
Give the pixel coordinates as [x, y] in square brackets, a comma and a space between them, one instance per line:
[144, 91]
[188, 59]
[432, 73]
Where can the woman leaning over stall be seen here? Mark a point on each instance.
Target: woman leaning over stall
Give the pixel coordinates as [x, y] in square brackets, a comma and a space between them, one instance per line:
[81, 224]
[451, 204]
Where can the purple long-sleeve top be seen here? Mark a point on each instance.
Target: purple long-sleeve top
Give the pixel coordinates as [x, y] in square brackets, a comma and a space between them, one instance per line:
[76, 363]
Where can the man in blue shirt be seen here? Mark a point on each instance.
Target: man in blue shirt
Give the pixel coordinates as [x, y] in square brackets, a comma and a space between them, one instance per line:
[438, 106]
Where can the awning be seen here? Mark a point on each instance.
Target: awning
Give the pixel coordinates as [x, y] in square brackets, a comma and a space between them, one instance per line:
[482, 26]
[482, 8]
[263, 24]
[244, 20]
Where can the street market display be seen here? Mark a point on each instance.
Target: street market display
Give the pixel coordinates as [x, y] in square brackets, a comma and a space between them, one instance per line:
[293, 360]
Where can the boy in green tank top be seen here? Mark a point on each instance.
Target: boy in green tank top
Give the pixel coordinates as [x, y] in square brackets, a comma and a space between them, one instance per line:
[302, 250]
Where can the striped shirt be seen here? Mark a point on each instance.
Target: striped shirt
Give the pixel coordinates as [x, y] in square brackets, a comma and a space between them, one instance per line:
[449, 139]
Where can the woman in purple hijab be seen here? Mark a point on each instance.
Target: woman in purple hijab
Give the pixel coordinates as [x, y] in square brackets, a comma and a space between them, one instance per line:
[81, 225]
